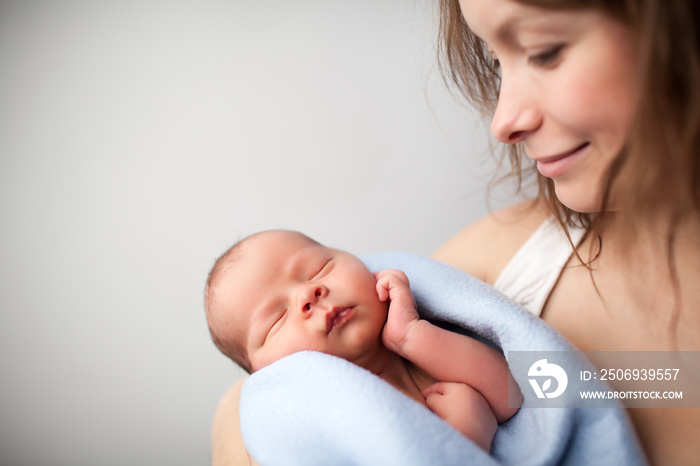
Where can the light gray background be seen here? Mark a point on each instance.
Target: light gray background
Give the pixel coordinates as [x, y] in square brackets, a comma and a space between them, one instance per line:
[139, 139]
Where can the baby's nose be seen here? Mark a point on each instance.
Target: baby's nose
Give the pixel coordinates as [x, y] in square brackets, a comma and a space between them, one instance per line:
[309, 297]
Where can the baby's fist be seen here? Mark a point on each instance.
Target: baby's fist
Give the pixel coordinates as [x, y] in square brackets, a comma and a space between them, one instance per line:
[394, 286]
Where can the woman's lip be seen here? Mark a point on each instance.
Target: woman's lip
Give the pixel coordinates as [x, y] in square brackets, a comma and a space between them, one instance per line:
[556, 165]
[337, 317]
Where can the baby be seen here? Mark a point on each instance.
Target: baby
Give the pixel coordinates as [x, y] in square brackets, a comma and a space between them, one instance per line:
[279, 292]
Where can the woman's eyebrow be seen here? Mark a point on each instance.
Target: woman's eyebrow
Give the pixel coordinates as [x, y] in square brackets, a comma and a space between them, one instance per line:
[510, 30]
[507, 29]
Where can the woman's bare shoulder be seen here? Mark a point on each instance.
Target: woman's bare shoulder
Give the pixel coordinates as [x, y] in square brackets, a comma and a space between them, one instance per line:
[484, 248]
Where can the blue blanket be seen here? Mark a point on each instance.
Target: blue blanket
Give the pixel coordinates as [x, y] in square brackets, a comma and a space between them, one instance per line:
[314, 409]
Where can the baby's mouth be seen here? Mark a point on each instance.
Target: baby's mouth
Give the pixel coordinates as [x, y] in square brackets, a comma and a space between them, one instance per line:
[337, 317]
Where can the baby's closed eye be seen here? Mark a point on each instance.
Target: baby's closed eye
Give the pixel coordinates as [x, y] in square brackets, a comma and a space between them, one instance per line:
[321, 269]
[276, 324]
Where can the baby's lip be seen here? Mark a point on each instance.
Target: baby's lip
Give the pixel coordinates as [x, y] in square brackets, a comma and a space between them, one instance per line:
[338, 316]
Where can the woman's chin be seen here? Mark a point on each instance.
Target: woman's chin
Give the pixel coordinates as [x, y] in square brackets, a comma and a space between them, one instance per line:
[582, 199]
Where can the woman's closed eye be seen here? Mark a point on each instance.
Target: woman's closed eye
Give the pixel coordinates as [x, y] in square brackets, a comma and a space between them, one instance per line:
[548, 57]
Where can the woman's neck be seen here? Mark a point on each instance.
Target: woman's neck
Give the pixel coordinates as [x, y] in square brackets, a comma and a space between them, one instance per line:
[652, 236]
[648, 268]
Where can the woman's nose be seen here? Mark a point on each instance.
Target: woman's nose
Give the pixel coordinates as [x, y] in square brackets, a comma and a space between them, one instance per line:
[308, 296]
[517, 114]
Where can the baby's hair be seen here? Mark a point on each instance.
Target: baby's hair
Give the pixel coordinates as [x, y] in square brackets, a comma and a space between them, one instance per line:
[224, 340]
[228, 345]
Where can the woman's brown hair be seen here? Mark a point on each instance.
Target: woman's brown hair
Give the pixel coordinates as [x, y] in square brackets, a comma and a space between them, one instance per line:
[665, 140]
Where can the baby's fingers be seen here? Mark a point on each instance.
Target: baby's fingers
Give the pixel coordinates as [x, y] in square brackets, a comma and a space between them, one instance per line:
[382, 286]
[394, 274]
[391, 283]
[436, 388]
[437, 400]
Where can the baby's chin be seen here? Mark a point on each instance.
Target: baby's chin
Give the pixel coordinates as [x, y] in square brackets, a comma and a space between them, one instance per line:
[358, 343]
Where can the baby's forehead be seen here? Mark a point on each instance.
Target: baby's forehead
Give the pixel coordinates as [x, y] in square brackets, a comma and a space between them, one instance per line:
[273, 244]
[267, 250]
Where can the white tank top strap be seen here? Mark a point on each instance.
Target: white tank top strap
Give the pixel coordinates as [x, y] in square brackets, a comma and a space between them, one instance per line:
[531, 274]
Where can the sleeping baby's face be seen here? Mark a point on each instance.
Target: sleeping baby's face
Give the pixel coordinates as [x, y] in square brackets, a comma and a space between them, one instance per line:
[288, 294]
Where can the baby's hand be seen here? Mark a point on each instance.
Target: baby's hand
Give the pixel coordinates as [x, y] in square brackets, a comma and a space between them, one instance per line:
[463, 408]
[393, 285]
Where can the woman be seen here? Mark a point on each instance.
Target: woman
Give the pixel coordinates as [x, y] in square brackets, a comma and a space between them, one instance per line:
[601, 99]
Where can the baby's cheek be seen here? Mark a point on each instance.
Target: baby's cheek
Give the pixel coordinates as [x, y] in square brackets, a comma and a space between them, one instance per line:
[383, 312]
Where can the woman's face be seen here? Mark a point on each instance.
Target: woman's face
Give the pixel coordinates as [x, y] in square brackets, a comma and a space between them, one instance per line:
[568, 90]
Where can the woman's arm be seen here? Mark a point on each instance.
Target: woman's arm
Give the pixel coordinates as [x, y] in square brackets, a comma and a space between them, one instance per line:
[227, 448]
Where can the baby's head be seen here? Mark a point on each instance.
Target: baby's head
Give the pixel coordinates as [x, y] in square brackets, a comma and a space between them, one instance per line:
[279, 292]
